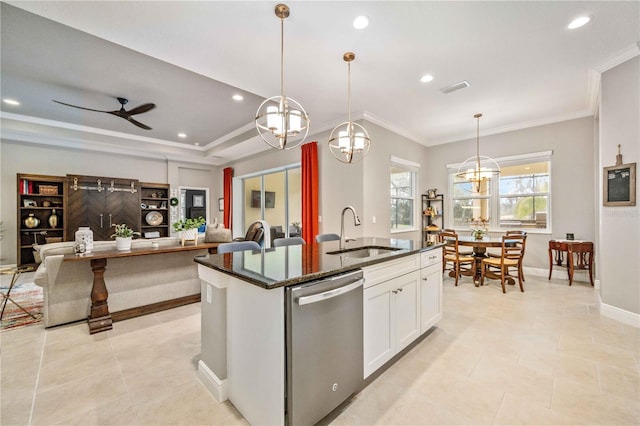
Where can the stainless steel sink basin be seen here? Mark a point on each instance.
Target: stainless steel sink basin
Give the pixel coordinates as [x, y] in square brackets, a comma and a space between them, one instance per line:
[362, 252]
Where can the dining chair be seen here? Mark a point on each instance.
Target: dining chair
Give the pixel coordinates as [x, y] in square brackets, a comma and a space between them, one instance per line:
[238, 246]
[559, 257]
[452, 255]
[462, 252]
[580, 257]
[512, 250]
[291, 241]
[326, 237]
[512, 232]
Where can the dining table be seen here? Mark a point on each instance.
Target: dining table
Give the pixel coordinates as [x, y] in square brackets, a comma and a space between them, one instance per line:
[480, 247]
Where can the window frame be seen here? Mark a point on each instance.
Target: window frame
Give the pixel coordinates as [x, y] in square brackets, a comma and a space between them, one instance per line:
[414, 169]
[495, 196]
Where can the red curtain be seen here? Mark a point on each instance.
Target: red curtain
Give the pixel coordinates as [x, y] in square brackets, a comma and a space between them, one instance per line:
[310, 191]
[228, 178]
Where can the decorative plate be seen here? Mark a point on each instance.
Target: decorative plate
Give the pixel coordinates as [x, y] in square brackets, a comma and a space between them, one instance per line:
[154, 218]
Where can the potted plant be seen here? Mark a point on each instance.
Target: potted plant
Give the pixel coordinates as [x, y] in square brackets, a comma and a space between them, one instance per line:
[188, 228]
[479, 227]
[123, 235]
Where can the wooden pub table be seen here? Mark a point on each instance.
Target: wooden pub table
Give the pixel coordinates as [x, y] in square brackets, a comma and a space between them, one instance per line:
[100, 317]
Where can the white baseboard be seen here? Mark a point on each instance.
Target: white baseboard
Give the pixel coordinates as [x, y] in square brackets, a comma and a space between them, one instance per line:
[618, 314]
[215, 386]
[559, 274]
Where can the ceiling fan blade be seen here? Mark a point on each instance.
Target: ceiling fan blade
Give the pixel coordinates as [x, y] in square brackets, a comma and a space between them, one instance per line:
[79, 107]
[142, 108]
[137, 123]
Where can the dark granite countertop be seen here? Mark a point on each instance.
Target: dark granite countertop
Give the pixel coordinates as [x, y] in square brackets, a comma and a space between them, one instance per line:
[285, 266]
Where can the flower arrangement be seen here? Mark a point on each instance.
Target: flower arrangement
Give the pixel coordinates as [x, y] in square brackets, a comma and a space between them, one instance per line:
[296, 225]
[479, 227]
[186, 224]
[123, 231]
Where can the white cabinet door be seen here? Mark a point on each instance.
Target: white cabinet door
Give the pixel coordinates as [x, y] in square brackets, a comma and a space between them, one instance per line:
[431, 296]
[379, 335]
[391, 319]
[405, 290]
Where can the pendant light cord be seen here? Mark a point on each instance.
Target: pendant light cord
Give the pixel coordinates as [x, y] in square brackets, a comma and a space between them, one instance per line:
[282, 57]
[349, 92]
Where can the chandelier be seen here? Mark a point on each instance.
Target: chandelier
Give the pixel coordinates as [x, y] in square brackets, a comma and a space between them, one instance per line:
[349, 142]
[281, 121]
[478, 170]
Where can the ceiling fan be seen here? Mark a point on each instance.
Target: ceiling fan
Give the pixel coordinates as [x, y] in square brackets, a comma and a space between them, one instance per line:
[122, 113]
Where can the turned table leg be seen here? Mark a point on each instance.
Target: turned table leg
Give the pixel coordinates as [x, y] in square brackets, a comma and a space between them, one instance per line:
[99, 318]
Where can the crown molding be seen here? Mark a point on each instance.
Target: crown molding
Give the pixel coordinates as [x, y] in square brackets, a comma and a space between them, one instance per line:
[520, 126]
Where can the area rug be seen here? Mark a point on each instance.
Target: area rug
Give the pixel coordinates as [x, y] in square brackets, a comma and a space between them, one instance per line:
[29, 296]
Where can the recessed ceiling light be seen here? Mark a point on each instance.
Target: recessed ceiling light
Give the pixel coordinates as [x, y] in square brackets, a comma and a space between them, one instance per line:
[361, 22]
[237, 97]
[182, 135]
[196, 144]
[578, 22]
[426, 78]
[11, 102]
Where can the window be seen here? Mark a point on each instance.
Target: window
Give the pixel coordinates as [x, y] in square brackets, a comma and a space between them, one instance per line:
[402, 193]
[519, 198]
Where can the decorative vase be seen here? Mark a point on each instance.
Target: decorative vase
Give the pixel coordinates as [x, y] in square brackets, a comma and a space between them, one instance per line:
[53, 219]
[190, 235]
[123, 243]
[31, 221]
[84, 235]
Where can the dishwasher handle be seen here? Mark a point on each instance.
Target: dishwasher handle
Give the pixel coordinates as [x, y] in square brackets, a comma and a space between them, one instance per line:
[306, 300]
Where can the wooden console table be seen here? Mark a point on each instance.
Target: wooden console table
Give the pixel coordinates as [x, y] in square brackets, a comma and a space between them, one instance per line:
[100, 319]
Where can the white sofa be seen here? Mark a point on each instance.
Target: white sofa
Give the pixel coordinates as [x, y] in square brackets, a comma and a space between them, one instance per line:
[132, 282]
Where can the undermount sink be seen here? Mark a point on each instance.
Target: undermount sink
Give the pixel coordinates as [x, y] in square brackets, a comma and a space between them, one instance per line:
[362, 252]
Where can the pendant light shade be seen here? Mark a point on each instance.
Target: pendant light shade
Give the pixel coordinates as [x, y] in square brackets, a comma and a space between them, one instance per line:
[281, 121]
[478, 170]
[349, 142]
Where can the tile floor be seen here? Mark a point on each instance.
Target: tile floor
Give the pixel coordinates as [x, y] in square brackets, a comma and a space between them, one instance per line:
[542, 357]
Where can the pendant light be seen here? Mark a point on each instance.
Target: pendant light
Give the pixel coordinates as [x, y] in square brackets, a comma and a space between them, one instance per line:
[478, 170]
[349, 142]
[281, 121]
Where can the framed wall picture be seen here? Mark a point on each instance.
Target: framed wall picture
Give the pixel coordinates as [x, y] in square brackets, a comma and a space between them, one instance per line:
[198, 201]
[619, 185]
[221, 204]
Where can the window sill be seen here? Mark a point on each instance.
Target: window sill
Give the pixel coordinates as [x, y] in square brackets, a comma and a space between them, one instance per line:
[402, 231]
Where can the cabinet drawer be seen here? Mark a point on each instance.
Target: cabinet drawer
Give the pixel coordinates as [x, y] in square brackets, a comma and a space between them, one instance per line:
[385, 271]
[430, 257]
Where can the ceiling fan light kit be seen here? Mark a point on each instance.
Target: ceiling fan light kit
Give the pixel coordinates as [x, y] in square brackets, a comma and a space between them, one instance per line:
[281, 121]
[349, 142]
[122, 113]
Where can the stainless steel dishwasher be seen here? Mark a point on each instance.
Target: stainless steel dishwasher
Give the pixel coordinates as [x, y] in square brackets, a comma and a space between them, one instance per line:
[324, 346]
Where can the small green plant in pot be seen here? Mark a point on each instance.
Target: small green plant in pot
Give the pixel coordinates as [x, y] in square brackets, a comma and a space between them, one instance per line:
[189, 228]
[123, 235]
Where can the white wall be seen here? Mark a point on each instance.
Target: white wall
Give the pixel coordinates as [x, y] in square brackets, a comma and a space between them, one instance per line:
[619, 231]
[19, 157]
[572, 174]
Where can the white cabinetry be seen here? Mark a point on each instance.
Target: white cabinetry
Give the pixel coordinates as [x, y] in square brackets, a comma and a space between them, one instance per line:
[402, 300]
[391, 310]
[430, 289]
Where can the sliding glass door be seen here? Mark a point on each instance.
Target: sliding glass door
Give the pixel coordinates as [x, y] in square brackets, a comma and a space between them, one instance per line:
[275, 197]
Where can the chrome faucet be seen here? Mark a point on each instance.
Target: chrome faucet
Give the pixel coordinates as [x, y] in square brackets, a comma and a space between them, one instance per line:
[356, 222]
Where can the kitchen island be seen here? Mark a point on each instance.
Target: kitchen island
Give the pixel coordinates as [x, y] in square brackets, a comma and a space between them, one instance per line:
[246, 303]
